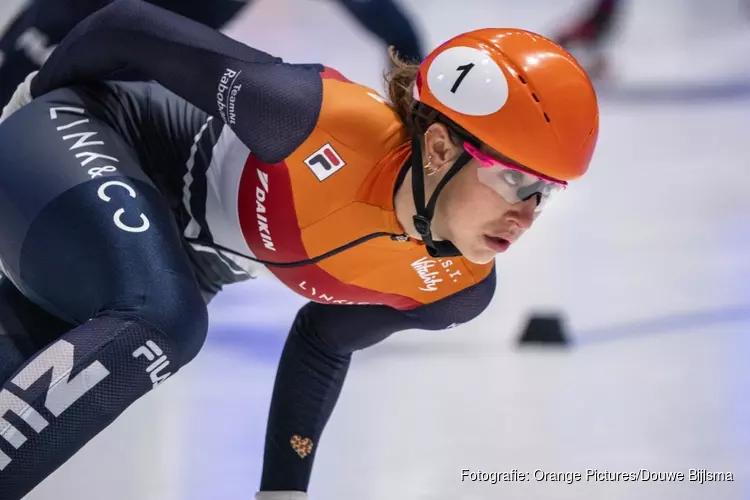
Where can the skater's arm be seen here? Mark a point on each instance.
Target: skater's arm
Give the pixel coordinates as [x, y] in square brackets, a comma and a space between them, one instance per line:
[314, 364]
[272, 106]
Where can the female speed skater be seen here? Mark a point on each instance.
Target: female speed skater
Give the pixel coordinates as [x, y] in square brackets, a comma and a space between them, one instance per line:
[126, 206]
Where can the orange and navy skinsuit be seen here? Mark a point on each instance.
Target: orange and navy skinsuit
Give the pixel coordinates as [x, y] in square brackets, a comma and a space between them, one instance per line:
[292, 162]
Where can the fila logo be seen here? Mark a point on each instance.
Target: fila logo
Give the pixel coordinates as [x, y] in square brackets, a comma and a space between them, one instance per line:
[325, 162]
[151, 352]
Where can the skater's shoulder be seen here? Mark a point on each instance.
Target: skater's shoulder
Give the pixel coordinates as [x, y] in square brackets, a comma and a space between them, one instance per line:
[358, 116]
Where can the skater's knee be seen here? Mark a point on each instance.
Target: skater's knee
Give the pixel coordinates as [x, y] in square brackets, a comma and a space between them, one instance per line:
[176, 307]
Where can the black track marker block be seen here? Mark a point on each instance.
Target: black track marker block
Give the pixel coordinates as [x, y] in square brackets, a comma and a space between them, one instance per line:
[544, 330]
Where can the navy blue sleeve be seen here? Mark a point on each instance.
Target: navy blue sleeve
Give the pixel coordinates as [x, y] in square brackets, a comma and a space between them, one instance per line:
[272, 106]
[314, 364]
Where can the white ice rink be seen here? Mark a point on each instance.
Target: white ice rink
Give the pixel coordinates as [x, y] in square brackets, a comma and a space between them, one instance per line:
[648, 257]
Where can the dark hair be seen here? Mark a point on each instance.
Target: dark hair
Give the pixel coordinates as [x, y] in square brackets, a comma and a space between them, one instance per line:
[416, 117]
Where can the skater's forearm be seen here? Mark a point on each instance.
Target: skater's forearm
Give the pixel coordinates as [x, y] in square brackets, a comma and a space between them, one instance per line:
[314, 364]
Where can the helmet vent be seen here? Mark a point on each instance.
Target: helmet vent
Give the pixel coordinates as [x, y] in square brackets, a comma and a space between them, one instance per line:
[536, 99]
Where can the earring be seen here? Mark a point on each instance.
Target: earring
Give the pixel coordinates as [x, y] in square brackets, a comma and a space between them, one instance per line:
[429, 168]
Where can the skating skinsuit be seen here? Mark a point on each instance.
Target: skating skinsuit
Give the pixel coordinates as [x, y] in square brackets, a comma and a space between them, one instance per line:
[280, 162]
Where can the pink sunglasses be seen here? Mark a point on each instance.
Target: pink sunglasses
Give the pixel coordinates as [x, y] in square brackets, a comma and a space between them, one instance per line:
[488, 161]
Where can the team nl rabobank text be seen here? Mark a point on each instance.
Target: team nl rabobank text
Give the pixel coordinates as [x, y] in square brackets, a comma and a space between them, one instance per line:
[595, 475]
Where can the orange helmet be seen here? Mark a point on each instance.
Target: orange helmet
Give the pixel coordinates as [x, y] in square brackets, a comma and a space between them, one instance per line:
[517, 92]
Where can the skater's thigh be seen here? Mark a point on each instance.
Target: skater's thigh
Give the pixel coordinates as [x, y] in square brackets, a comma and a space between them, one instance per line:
[83, 228]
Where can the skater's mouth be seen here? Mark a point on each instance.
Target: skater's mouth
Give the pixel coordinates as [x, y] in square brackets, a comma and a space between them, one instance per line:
[497, 243]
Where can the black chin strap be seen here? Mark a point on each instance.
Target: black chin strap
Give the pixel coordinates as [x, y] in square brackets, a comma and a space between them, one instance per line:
[425, 212]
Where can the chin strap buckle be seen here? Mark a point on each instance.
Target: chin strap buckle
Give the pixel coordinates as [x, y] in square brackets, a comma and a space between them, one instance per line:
[422, 225]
